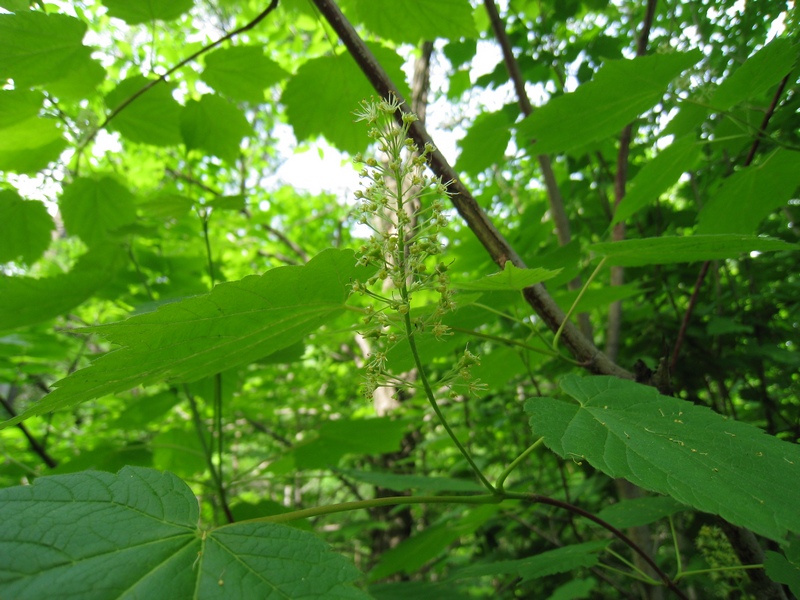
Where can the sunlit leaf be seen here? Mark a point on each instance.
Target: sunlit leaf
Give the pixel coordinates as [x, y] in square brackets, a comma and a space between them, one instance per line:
[94, 208]
[97, 536]
[29, 300]
[485, 142]
[214, 125]
[322, 96]
[38, 48]
[620, 91]
[693, 248]
[414, 20]
[242, 72]
[759, 73]
[674, 447]
[510, 278]
[25, 228]
[152, 118]
[657, 176]
[747, 197]
[17, 106]
[146, 11]
[236, 323]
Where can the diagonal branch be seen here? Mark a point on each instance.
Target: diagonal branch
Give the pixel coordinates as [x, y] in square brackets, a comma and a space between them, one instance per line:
[553, 193]
[477, 220]
[163, 78]
[620, 181]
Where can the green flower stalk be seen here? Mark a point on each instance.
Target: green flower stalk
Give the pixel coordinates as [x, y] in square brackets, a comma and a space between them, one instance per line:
[402, 250]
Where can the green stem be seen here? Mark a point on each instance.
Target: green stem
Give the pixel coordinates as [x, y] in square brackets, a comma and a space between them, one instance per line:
[575, 304]
[207, 453]
[435, 405]
[220, 446]
[716, 570]
[517, 343]
[679, 570]
[318, 511]
[515, 463]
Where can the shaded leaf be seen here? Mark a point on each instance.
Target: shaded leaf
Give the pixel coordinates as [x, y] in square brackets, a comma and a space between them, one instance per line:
[758, 73]
[31, 159]
[236, 202]
[620, 91]
[674, 447]
[38, 48]
[146, 11]
[511, 278]
[98, 536]
[349, 436]
[84, 77]
[166, 206]
[419, 590]
[640, 511]
[236, 323]
[93, 208]
[667, 250]
[785, 569]
[575, 589]
[18, 105]
[412, 553]
[401, 483]
[485, 143]
[547, 563]
[414, 20]
[747, 197]
[27, 300]
[657, 176]
[213, 124]
[29, 134]
[25, 228]
[150, 119]
[178, 451]
[322, 96]
[242, 72]
[594, 298]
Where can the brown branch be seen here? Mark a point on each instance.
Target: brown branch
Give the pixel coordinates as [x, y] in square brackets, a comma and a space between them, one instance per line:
[536, 498]
[32, 441]
[687, 316]
[550, 184]
[613, 331]
[163, 78]
[495, 244]
[704, 269]
[765, 121]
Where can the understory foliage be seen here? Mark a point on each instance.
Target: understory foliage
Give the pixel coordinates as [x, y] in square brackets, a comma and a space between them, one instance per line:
[555, 358]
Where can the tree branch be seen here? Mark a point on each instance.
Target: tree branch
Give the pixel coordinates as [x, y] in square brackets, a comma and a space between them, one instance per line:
[620, 180]
[32, 441]
[163, 78]
[553, 192]
[495, 244]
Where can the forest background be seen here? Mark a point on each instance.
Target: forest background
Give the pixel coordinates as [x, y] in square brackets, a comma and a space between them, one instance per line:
[558, 360]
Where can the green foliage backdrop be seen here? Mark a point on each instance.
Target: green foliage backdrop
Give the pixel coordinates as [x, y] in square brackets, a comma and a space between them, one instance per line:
[564, 367]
